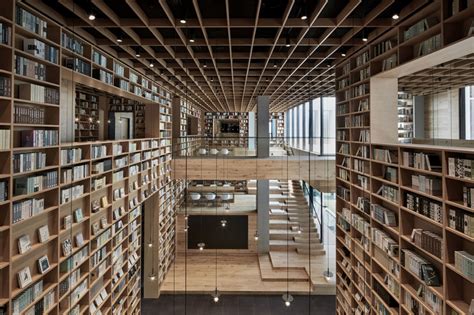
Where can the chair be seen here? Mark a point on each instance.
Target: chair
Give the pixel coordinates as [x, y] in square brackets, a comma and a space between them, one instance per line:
[210, 197]
[225, 151]
[195, 197]
[202, 151]
[214, 151]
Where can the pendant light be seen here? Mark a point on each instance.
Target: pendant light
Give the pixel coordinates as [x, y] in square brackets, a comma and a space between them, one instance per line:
[287, 298]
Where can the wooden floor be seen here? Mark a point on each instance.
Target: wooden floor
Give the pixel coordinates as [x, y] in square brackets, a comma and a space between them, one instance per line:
[238, 274]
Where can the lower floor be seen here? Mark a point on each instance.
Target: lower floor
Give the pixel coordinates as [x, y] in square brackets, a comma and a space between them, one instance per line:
[195, 304]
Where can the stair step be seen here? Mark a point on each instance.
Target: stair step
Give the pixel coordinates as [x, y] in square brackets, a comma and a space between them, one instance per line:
[269, 273]
[306, 251]
[282, 245]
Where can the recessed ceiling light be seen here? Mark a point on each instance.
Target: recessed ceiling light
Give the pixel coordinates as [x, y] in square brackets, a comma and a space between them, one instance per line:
[343, 54]
[274, 65]
[91, 16]
[151, 65]
[304, 17]
[182, 21]
[364, 39]
[204, 65]
[191, 40]
[137, 55]
[395, 16]
[119, 40]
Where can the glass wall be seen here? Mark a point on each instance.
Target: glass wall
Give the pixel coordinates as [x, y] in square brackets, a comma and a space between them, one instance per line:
[312, 126]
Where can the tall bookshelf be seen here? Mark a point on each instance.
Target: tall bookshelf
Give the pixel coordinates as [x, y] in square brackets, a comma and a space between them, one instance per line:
[86, 121]
[279, 119]
[241, 139]
[398, 204]
[405, 117]
[185, 143]
[93, 254]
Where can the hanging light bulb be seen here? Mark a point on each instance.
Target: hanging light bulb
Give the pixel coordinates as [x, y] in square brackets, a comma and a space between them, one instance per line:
[287, 298]
[256, 236]
[119, 39]
[215, 296]
[226, 207]
[343, 54]
[152, 276]
[223, 223]
[201, 246]
[186, 228]
[182, 21]
[328, 275]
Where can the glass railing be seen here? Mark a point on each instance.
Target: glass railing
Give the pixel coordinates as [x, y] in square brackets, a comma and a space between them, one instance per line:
[201, 146]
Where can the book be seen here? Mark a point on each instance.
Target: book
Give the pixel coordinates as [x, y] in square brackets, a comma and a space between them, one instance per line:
[24, 244]
[43, 264]
[24, 277]
[43, 234]
[430, 275]
[79, 239]
[78, 215]
[67, 222]
[66, 247]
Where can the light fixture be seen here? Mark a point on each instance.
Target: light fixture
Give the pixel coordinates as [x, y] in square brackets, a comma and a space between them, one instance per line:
[287, 44]
[151, 65]
[90, 119]
[119, 39]
[137, 53]
[364, 39]
[108, 121]
[300, 231]
[274, 65]
[395, 16]
[223, 223]
[212, 79]
[328, 275]
[215, 296]
[186, 228]
[76, 119]
[152, 276]
[256, 236]
[287, 298]
[182, 21]
[91, 16]
[201, 246]
[343, 54]
[191, 40]
[226, 207]
[98, 121]
[204, 65]
[304, 17]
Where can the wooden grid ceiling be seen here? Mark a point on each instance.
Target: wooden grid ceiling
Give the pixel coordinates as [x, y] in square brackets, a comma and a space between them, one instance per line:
[224, 53]
[455, 74]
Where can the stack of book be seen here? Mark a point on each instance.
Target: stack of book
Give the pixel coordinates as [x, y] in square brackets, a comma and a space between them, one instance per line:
[32, 184]
[427, 184]
[421, 267]
[71, 43]
[23, 210]
[31, 22]
[385, 242]
[3, 191]
[468, 196]
[38, 93]
[72, 155]
[5, 34]
[40, 50]
[5, 86]
[462, 168]
[424, 161]
[27, 162]
[383, 215]
[30, 68]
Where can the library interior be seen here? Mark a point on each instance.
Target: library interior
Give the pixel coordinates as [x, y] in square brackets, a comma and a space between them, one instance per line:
[229, 157]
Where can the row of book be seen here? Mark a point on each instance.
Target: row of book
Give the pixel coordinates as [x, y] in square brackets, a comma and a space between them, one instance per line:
[31, 22]
[27, 297]
[30, 68]
[25, 209]
[27, 162]
[385, 242]
[3, 191]
[383, 47]
[71, 193]
[75, 173]
[468, 196]
[424, 206]
[38, 93]
[103, 76]
[41, 50]
[427, 184]
[388, 192]
[71, 155]
[5, 86]
[461, 221]
[429, 241]
[5, 139]
[37, 183]
[72, 43]
[459, 167]
[5, 34]
[419, 27]
[383, 215]
[28, 114]
[423, 161]
[421, 268]
[78, 65]
[99, 59]
[464, 263]
[39, 138]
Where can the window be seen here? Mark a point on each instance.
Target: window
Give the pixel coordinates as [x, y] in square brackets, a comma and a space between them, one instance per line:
[313, 126]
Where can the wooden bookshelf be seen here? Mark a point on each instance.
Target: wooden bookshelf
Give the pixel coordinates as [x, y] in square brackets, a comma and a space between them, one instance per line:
[94, 254]
[184, 142]
[390, 197]
[279, 119]
[240, 139]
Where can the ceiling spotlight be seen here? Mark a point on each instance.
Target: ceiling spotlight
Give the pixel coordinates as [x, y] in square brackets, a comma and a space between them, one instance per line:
[212, 79]
[343, 54]
[91, 16]
[395, 16]
[182, 21]
[215, 296]
[152, 276]
[191, 40]
[287, 44]
[137, 53]
[287, 298]
[304, 17]
[150, 244]
[204, 65]
[119, 39]
[274, 65]
[224, 223]
[364, 39]
[201, 246]
[151, 65]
